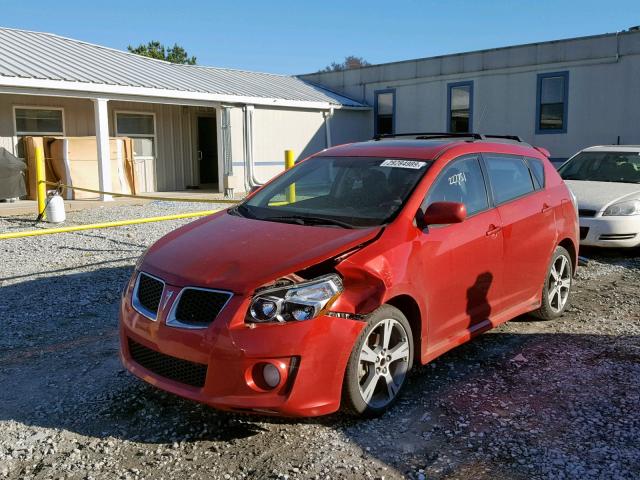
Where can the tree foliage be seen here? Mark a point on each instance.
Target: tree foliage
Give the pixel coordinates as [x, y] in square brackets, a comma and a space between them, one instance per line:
[350, 62]
[155, 49]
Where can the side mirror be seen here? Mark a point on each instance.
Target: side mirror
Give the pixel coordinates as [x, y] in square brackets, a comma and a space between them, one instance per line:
[444, 213]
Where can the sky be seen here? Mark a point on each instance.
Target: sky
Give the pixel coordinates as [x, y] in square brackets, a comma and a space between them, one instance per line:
[292, 37]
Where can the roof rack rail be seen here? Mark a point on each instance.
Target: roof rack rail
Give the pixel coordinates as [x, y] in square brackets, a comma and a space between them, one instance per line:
[515, 138]
[433, 135]
[428, 135]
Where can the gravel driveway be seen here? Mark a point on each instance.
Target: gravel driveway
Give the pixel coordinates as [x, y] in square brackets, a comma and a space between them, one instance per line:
[528, 400]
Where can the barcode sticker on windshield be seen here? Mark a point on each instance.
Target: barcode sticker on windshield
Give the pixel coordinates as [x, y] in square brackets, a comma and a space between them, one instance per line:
[403, 164]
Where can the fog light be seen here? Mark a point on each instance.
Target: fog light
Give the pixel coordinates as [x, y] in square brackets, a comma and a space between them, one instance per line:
[271, 375]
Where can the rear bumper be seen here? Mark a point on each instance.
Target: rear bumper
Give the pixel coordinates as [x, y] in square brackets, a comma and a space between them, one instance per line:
[311, 357]
[610, 231]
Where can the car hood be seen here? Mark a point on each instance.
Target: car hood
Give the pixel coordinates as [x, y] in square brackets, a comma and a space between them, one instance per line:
[233, 253]
[598, 195]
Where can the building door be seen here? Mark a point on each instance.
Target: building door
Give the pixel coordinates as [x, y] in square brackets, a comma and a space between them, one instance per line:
[207, 150]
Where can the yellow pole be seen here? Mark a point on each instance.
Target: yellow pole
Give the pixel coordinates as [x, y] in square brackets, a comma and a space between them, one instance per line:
[49, 231]
[289, 162]
[41, 187]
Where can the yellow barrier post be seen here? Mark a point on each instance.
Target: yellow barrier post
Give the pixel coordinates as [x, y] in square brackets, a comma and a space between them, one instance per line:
[41, 187]
[289, 162]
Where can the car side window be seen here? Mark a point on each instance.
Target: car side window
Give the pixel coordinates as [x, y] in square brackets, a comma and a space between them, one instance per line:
[461, 181]
[509, 175]
[537, 169]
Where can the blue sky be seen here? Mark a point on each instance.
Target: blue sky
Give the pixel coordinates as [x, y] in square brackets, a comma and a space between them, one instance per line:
[300, 36]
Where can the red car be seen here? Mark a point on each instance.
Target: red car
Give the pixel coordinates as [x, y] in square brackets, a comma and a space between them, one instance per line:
[323, 287]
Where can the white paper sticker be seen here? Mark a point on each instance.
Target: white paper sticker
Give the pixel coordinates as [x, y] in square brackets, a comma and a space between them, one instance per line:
[457, 179]
[403, 164]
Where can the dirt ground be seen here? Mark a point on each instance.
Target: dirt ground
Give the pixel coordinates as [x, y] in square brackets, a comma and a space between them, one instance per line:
[528, 400]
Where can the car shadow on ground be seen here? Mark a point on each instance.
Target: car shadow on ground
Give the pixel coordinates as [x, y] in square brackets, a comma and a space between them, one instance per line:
[59, 369]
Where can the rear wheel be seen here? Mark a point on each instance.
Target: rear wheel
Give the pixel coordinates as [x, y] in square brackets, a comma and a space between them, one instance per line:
[556, 291]
[379, 363]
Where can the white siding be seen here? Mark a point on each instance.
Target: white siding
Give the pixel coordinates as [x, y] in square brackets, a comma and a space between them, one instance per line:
[603, 102]
[277, 130]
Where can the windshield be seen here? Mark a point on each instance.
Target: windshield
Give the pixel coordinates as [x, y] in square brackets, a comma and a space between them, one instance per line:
[603, 167]
[340, 191]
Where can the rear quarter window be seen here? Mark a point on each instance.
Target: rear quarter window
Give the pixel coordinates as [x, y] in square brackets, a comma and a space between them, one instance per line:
[537, 169]
[509, 176]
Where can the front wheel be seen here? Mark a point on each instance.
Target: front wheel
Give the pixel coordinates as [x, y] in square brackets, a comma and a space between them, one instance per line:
[379, 363]
[556, 291]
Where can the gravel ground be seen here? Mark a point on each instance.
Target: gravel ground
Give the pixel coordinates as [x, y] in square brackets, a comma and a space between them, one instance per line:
[528, 400]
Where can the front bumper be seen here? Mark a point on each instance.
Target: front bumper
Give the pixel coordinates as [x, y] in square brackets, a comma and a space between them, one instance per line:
[611, 231]
[311, 356]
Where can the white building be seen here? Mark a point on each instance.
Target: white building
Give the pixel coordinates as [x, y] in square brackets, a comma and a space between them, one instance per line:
[192, 125]
[562, 95]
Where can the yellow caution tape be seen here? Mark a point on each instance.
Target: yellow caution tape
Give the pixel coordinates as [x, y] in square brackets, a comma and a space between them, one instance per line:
[145, 197]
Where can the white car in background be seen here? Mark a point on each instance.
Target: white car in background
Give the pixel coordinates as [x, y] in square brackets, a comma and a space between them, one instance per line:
[606, 183]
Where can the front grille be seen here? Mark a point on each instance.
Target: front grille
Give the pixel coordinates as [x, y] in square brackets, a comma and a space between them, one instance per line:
[617, 236]
[199, 307]
[149, 292]
[583, 232]
[584, 212]
[166, 366]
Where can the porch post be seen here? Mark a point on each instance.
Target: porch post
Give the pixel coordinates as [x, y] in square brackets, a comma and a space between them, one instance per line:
[102, 141]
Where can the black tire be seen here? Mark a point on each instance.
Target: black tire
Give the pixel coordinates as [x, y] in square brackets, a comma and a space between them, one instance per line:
[386, 367]
[550, 307]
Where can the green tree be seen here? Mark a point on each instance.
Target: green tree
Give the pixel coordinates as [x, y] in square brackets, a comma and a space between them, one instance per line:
[350, 62]
[155, 49]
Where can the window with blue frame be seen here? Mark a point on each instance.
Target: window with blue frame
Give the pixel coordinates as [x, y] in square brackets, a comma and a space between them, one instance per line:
[552, 107]
[384, 111]
[460, 107]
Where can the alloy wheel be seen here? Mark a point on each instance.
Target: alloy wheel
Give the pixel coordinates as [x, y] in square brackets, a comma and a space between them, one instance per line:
[559, 283]
[383, 363]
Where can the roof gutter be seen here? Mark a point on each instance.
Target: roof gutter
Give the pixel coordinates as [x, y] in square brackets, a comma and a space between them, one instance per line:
[63, 88]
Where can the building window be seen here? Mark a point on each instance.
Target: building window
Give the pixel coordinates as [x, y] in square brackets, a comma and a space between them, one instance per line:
[384, 111]
[140, 127]
[460, 107]
[552, 102]
[38, 121]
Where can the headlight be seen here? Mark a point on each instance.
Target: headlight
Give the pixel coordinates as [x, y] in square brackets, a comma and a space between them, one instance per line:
[295, 302]
[630, 207]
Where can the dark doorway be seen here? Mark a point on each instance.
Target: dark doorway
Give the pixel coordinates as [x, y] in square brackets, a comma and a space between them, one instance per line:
[207, 150]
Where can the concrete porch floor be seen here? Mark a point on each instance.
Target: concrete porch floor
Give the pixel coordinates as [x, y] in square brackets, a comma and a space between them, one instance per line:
[29, 207]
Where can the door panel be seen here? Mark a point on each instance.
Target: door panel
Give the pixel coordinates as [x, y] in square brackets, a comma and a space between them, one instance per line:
[465, 275]
[529, 236]
[207, 150]
[145, 171]
[528, 226]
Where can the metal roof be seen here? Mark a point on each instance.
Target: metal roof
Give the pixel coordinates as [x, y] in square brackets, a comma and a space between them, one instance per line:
[38, 56]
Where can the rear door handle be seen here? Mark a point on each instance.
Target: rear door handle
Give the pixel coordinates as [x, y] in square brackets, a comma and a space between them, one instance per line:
[493, 230]
[545, 208]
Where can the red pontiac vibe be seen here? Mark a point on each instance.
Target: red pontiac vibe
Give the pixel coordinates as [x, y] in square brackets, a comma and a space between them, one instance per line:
[323, 287]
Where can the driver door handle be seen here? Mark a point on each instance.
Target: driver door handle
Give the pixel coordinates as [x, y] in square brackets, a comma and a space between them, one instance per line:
[493, 230]
[545, 207]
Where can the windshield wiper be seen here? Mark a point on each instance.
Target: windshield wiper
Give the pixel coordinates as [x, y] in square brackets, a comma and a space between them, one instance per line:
[309, 220]
[241, 211]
